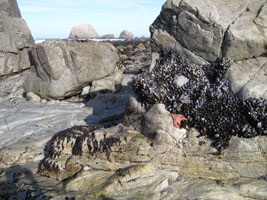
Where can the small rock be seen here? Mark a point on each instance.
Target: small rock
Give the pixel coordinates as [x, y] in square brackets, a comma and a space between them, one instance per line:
[180, 80]
[158, 125]
[85, 91]
[32, 97]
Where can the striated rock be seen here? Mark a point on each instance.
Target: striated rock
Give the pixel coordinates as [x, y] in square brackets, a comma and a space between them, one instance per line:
[83, 31]
[126, 35]
[108, 36]
[62, 68]
[15, 39]
[203, 30]
[120, 163]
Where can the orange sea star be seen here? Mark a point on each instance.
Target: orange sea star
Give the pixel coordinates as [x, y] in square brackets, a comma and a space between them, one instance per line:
[177, 119]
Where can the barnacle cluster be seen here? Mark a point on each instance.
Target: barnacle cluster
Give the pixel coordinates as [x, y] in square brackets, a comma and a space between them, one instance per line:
[205, 99]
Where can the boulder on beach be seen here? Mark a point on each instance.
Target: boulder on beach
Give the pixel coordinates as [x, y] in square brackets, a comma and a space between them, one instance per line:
[83, 31]
[107, 36]
[201, 31]
[61, 68]
[126, 35]
[15, 39]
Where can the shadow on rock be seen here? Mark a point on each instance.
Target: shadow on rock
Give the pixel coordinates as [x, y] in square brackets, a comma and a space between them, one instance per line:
[19, 183]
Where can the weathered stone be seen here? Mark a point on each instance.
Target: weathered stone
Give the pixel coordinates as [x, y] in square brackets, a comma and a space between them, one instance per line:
[248, 78]
[83, 31]
[107, 84]
[242, 42]
[9, 8]
[119, 162]
[15, 39]
[126, 35]
[199, 30]
[158, 125]
[62, 68]
[32, 97]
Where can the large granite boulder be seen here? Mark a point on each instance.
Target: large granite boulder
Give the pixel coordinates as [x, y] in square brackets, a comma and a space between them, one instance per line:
[15, 39]
[126, 35]
[61, 68]
[83, 31]
[201, 31]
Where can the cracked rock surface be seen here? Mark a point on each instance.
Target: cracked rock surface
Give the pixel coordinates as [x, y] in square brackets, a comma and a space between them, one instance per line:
[15, 39]
[61, 68]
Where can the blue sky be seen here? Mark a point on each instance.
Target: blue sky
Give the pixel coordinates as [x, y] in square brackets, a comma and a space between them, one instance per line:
[55, 18]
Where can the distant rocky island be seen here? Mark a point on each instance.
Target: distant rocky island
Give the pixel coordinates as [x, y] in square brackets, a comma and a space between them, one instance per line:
[180, 115]
[87, 31]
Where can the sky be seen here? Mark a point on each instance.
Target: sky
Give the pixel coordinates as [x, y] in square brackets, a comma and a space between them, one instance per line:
[55, 18]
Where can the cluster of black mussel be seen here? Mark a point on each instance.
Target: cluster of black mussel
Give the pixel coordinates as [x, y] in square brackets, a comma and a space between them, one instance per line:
[206, 99]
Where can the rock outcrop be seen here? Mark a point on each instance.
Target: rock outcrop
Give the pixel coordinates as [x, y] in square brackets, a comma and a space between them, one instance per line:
[62, 68]
[83, 31]
[201, 31]
[120, 163]
[126, 35]
[15, 39]
[103, 161]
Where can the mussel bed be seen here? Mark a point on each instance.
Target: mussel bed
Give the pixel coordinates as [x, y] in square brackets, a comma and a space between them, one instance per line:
[206, 99]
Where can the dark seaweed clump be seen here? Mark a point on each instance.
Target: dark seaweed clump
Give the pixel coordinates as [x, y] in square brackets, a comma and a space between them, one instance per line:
[205, 99]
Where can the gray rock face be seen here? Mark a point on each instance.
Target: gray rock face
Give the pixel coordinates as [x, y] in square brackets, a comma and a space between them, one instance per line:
[248, 78]
[126, 35]
[62, 68]
[201, 31]
[83, 31]
[15, 39]
[9, 8]
[208, 29]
